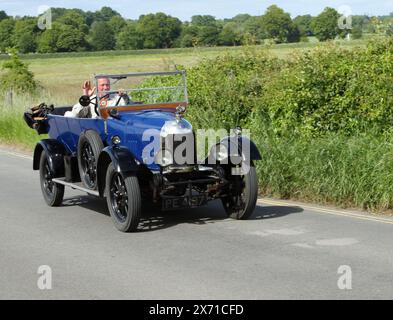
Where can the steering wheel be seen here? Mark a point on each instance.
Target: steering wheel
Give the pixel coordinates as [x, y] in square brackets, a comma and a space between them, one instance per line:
[123, 96]
[96, 105]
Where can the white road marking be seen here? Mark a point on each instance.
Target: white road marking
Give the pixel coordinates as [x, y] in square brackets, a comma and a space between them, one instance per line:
[258, 233]
[303, 245]
[285, 232]
[282, 232]
[337, 242]
[329, 211]
[16, 154]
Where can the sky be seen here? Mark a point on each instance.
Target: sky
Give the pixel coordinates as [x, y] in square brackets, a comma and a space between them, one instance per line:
[184, 9]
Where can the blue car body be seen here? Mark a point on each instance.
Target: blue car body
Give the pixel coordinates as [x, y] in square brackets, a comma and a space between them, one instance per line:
[129, 127]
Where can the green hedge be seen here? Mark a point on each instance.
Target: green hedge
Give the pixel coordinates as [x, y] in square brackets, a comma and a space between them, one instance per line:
[331, 89]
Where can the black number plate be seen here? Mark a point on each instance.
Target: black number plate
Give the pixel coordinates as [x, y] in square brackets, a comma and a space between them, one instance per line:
[184, 202]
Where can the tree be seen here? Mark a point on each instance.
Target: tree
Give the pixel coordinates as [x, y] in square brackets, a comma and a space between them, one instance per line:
[303, 23]
[47, 41]
[6, 30]
[209, 35]
[325, 26]
[231, 35]
[240, 18]
[203, 20]
[90, 17]
[3, 15]
[159, 30]
[117, 23]
[106, 13]
[74, 19]
[188, 36]
[253, 29]
[25, 34]
[26, 43]
[61, 38]
[129, 38]
[208, 29]
[17, 76]
[102, 37]
[70, 39]
[279, 26]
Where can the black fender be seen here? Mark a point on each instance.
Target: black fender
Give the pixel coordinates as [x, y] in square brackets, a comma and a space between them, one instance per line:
[55, 151]
[123, 161]
[240, 148]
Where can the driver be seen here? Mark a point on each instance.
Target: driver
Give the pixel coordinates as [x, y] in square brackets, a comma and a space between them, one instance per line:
[112, 99]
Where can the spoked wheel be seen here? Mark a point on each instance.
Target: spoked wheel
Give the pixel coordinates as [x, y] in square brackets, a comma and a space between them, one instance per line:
[53, 193]
[243, 193]
[123, 199]
[88, 165]
[89, 148]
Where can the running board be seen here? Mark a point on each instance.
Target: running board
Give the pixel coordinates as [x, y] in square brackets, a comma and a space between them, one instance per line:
[77, 186]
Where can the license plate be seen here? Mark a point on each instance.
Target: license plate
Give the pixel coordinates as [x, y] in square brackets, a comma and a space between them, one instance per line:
[184, 202]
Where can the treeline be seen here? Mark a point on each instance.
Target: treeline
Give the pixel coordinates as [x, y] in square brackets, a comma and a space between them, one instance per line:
[76, 30]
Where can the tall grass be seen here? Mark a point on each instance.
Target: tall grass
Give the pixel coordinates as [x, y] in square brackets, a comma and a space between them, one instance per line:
[349, 171]
[13, 129]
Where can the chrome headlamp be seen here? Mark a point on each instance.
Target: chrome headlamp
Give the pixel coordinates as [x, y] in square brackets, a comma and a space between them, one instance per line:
[220, 152]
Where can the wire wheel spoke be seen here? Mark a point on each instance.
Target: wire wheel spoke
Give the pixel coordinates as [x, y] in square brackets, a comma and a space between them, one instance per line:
[119, 197]
[89, 167]
[47, 180]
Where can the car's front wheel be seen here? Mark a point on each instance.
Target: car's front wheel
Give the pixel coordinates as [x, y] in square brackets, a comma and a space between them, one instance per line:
[53, 193]
[243, 193]
[124, 200]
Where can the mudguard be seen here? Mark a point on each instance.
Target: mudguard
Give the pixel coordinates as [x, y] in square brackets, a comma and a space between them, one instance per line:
[123, 161]
[55, 152]
[239, 145]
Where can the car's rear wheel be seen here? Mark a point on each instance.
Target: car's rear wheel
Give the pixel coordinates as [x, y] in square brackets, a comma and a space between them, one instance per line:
[53, 193]
[89, 148]
[124, 200]
[243, 194]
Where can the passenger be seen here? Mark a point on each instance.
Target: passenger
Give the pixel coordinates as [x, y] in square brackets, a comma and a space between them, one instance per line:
[104, 85]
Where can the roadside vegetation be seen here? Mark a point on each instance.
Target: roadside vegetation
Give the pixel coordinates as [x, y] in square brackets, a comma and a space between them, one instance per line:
[322, 119]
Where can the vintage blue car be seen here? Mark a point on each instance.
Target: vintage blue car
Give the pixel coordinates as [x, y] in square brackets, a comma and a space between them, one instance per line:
[130, 152]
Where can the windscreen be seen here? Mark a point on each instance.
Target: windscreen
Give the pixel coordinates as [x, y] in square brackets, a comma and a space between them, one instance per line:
[141, 89]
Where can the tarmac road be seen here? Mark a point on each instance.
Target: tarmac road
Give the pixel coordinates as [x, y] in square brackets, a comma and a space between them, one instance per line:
[286, 251]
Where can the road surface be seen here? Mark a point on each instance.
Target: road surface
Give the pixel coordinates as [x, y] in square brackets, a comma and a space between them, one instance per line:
[286, 251]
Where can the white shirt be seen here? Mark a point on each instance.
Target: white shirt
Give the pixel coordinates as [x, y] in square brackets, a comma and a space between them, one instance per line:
[111, 103]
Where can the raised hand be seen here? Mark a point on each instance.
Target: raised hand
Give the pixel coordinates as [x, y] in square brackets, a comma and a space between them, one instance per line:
[87, 90]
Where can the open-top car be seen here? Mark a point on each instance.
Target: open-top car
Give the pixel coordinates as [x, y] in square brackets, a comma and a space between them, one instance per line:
[141, 149]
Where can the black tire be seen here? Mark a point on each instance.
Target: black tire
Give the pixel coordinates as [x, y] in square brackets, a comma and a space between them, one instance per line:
[244, 194]
[90, 146]
[53, 193]
[124, 200]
